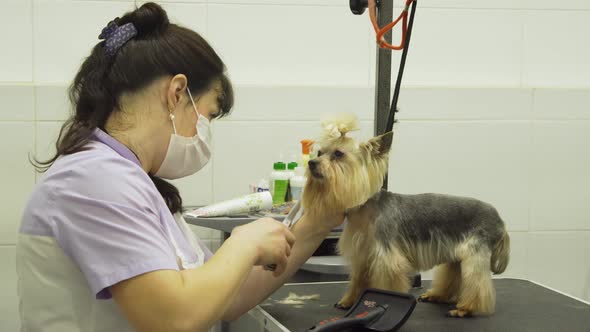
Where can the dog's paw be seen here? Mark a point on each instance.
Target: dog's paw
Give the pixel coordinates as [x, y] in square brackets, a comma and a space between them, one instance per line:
[432, 298]
[459, 313]
[342, 305]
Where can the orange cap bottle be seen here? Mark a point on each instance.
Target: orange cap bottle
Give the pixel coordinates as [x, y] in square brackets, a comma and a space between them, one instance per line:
[306, 145]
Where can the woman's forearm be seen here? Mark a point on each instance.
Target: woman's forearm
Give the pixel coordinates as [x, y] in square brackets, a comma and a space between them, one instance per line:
[224, 276]
[190, 300]
[260, 283]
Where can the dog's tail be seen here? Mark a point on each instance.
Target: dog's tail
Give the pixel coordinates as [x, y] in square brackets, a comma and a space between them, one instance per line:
[501, 254]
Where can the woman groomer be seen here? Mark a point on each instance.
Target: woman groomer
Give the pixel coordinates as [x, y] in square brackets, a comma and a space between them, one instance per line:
[102, 245]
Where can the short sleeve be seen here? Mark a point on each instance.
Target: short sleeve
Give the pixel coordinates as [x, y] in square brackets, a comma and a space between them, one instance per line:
[107, 219]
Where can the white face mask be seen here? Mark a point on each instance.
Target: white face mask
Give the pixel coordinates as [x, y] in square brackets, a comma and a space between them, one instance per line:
[187, 155]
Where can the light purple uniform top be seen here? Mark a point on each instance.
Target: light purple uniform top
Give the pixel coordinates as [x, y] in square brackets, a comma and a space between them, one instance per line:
[94, 219]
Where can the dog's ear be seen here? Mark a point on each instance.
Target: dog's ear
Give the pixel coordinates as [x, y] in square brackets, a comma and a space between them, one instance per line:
[381, 144]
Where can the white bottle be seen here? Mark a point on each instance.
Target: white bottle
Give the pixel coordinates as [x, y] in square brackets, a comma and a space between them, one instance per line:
[262, 185]
[291, 169]
[297, 183]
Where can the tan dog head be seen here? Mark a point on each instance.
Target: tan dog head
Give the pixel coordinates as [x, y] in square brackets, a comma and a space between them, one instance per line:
[345, 174]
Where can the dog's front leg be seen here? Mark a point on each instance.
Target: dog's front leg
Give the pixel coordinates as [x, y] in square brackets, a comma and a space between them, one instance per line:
[358, 282]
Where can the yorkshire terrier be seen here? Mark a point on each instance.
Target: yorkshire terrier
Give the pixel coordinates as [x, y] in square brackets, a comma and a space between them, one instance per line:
[388, 237]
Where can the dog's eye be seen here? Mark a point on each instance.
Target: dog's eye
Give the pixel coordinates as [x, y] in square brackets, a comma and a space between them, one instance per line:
[319, 153]
[338, 154]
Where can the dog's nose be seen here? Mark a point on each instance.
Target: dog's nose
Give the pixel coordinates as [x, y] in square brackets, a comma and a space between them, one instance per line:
[313, 164]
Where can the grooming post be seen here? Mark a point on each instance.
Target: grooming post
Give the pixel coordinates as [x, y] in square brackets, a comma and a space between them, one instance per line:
[384, 110]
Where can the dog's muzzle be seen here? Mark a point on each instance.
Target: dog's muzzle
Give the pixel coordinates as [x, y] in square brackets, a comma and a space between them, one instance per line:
[313, 168]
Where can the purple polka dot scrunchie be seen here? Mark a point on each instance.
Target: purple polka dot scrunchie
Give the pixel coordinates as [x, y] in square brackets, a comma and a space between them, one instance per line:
[116, 36]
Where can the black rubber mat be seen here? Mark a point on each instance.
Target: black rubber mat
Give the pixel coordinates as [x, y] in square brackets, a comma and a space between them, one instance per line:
[520, 306]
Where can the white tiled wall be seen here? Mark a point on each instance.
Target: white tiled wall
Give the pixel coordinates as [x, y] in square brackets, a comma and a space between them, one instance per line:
[9, 303]
[17, 140]
[560, 175]
[277, 48]
[560, 260]
[496, 105]
[550, 58]
[59, 44]
[465, 47]
[562, 104]
[485, 159]
[51, 102]
[18, 102]
[16, 35]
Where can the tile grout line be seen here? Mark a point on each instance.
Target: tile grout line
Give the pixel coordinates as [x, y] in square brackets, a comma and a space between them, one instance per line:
[531, 144]
[396, 6]
[33, 25]
[573, 230]
[529, 183]
[416, 120]
[214, 235]
[522, 49]
[335, 86]
[34, 86]
[207, 17]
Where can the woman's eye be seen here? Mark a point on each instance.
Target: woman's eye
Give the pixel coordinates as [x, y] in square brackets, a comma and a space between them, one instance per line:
[338, 154]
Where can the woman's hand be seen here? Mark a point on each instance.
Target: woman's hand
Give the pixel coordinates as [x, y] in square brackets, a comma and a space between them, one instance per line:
[271, 239]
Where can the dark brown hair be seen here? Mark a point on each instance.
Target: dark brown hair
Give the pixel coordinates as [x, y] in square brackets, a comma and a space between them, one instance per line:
[160, 48]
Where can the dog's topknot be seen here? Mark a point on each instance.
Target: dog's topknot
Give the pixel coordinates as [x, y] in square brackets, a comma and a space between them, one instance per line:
[337, 125]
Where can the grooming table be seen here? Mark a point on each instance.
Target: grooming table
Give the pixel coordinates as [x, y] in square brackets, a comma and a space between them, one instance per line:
[521, 306]
[318, 264]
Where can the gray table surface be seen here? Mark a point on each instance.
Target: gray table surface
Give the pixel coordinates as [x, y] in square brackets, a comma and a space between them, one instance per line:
[521, 306]
[317, 264]
[226, 224]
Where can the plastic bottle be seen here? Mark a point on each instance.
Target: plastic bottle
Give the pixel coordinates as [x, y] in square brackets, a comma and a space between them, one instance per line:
[306, 145]
[290, 173]
[280, 159]
[291, 169]
[297, 183]
[279, 180]
[262, 185]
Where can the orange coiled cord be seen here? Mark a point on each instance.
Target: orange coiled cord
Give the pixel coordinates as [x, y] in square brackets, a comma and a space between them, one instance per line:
[382, 31]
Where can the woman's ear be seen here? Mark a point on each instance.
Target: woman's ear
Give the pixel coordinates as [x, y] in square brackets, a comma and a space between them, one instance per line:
[176, 91]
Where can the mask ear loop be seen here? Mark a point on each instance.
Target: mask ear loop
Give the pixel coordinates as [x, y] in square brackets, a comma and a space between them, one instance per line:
[172, 119]
[382, 31]
[193, 101]
[195, 106]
